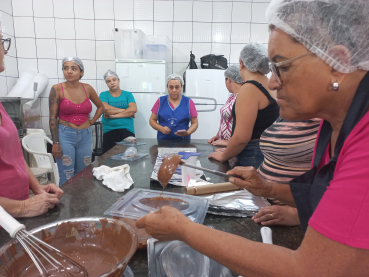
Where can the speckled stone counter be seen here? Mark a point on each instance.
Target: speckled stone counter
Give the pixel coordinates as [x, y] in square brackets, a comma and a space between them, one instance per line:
[86, 196]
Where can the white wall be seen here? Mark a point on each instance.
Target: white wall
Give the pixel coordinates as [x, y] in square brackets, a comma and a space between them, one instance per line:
[47, 30]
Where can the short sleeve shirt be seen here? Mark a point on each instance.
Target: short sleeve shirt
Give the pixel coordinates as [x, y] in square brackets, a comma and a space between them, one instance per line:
[120, 102]
[343, 212]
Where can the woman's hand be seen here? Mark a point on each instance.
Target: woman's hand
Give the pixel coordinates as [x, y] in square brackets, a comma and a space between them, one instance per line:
[220, 142]
[210, 141]
[166, 224]
[56, 151]
[182, 133]
[217, 155]
[165, 130]
[250, 179]
[277, 215]
[39, 204]
[49, 188]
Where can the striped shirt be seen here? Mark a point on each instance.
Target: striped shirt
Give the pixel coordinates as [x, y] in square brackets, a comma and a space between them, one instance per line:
[226, 118]
[288, 148]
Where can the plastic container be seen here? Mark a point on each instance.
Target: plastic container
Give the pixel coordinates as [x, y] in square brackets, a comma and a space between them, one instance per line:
[132, 205]
[175, 258]
[157, 48]
[188, 172]
[129, 43]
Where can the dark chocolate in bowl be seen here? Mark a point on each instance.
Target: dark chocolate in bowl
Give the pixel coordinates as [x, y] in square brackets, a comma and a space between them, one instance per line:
[103, 246]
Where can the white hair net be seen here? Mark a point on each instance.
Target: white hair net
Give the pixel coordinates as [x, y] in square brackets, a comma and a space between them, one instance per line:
[233, 73]
[110, 73]
[255, 57]
[324, 27]
[76, 60]
[175, 76]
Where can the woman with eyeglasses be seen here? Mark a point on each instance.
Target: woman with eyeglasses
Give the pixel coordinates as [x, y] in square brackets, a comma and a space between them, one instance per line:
[16, 178]
[253, 111]
[172, 114]
[319, 54]
[70, 125]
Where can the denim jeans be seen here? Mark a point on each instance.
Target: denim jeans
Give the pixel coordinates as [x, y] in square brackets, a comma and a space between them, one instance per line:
[76, 147]
[251, 155]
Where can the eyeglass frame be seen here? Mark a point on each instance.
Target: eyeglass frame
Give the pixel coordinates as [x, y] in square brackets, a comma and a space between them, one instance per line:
[4, 40]
[273, 67]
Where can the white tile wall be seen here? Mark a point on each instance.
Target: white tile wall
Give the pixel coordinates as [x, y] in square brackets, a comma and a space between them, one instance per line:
[46, 31]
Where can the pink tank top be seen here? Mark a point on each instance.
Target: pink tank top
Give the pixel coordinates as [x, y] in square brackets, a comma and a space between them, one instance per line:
[73, 113]
[14, 181]
[226, 118]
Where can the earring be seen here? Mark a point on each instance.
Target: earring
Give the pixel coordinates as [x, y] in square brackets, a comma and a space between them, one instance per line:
[336, 86]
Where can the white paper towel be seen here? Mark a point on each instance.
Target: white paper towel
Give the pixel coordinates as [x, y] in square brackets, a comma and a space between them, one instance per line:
[116, 178]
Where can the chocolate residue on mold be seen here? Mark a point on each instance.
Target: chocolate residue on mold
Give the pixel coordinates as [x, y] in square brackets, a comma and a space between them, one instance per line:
[167, 169]
[158, 202]
[98, 250]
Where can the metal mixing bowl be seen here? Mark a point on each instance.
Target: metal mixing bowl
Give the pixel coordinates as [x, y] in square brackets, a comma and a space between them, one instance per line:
[13, 257]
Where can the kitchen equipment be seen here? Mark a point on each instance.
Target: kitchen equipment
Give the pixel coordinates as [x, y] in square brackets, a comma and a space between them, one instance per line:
[211, 188]
[157, 48]
[139, 202]
[175, 258]
[128, 43]
[207, 89]
[182, 163]
[266, 235]
[46, 258]
[14, 108]
[96, 233]
[215, 172]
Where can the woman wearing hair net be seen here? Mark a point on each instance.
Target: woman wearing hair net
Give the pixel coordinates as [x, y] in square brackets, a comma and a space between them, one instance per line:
[70, 106]
[171, 114]
[320, 61]
[120, 108]
[233, 82]
[255, 109]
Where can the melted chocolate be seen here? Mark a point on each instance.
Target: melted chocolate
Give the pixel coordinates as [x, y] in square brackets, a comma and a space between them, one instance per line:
[98, 250]
[167, 169]
[158, 202]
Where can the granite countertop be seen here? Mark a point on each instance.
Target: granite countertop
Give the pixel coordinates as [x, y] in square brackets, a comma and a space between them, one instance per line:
[85, 196]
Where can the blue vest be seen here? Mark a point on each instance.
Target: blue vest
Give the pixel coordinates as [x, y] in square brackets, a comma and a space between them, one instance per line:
[175, 119]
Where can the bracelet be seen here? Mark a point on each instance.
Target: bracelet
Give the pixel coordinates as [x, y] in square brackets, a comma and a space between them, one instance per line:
[57, 142]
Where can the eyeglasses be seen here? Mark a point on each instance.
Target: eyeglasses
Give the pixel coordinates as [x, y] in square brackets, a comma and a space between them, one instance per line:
[6, 43]
[274, 67]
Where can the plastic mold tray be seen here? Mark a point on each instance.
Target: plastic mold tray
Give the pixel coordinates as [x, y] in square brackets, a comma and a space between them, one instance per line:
[132, 205]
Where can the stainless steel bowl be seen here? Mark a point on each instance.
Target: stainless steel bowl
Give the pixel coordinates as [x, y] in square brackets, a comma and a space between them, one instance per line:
[13, 258]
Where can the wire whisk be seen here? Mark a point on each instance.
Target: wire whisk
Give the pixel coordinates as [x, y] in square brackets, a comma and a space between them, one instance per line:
[47, 259]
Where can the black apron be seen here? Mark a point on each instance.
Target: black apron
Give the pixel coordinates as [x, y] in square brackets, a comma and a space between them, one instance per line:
[308, 189]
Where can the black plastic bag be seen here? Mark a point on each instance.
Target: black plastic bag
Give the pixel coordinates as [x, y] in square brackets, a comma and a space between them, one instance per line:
[214, 62]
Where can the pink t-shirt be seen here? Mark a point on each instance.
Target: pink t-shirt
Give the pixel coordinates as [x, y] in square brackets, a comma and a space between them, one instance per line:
[193, 110]
[14, 181]
[342, 213]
